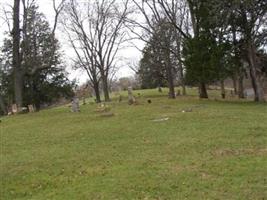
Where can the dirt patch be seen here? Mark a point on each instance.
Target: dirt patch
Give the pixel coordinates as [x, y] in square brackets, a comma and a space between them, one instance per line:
[107, 114]
[103, 109]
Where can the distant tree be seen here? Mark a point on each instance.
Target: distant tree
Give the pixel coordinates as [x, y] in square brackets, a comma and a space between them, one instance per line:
[96, 31]
[152, 72]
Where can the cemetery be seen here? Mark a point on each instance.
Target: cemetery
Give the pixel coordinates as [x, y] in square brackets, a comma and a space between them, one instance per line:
[133, 100]
[167, 149]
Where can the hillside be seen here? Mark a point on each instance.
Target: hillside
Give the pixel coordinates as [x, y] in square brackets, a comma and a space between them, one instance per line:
[170, 149]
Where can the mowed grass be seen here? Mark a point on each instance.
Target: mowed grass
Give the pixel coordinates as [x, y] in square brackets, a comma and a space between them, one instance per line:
[217, 151]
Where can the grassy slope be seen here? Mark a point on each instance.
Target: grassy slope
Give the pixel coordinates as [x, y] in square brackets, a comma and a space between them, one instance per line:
[218, 151]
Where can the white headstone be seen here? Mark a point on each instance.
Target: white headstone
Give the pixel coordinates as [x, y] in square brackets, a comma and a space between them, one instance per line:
[14, 108]
[75, 105]
[31, 108]
[131, 98]
[249, 93]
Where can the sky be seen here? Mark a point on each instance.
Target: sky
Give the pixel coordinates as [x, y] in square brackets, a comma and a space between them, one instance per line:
[128, 54]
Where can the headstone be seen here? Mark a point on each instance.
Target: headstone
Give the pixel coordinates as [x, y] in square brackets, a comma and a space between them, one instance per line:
[159, 89]
[131, 99]
[14, 108]
[249, 93]
[107, 114]
[75, 105]
[31, 108]
[84, 101]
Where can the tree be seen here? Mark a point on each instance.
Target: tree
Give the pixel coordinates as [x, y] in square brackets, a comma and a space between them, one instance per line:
[97, 34]
[4, 88]
[19, 16]
[168, 41]
[44, 77]
[18, 76]
[253, 15]
[151, 70]
[198, 61]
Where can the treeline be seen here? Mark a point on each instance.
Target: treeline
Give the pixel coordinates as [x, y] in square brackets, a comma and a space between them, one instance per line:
[200, 42]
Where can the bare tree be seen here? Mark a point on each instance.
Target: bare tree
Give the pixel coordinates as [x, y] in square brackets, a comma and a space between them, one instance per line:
[98, 27]
[57, 9]
[175, 14]
[84, 51]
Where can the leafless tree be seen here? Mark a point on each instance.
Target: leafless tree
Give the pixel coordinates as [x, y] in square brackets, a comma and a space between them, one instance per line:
[84, 51]
[175, 13]
[96, 28]
[58, 7]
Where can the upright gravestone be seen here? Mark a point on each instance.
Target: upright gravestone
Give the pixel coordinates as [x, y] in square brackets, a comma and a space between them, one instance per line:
[84, 101]
[14, 108]
[31, 108]
[249, 93]
[131, 99]
[75, 105]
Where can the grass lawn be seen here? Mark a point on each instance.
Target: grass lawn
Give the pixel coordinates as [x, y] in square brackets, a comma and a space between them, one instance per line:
[217, 151]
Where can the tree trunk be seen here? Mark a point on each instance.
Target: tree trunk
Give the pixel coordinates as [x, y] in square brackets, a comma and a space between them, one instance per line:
[241, 87]
[97, 92]
[234, 84]
[180, 65]
[183, 90]
[222, 89]
[193, 17]
[105, 88]
[203, 91]
[170, 82]
[18, 77]
[255, 76]
[182, 81]
[2, 105]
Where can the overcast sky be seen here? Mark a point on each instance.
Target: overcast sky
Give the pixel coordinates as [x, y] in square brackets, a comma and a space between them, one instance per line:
[128, 54]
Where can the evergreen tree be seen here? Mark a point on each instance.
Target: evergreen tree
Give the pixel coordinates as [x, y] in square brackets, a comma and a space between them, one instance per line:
[44, 75]
[158, 67]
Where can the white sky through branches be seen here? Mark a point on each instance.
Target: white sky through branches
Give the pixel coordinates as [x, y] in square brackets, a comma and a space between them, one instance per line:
[127, 55]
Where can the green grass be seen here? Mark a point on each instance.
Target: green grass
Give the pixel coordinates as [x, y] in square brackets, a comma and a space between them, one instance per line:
[218, 151]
